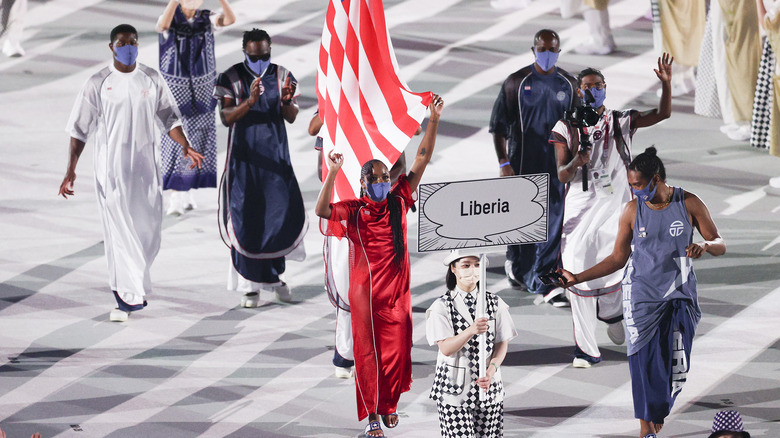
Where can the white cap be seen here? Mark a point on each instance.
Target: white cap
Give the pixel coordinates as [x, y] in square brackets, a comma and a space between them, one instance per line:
[460, 253]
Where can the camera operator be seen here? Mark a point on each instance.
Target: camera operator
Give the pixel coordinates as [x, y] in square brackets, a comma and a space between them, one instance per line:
[594, 145]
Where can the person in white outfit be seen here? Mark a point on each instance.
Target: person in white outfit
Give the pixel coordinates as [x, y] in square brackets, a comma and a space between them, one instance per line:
[12, 26]
[120, 106]
[596, 14]
[591, 216]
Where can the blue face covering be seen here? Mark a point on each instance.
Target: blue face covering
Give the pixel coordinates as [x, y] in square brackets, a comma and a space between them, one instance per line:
[378, 192]
[645, 194]
[599, 95]
[258, 66]
[126, 54]
[546, 60]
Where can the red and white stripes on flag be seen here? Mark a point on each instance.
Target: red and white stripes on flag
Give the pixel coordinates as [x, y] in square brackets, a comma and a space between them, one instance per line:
[367, 110]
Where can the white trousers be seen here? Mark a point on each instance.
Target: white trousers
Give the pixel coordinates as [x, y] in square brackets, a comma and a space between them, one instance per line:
[338, 278]
[586, 311]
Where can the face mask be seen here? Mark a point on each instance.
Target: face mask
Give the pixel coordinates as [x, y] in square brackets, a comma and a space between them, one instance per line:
[467, 276]
[260, 65]
[546, 60]
[190, 4]
[597, 94]
[126, 54]
[645, 194]
[378, 192]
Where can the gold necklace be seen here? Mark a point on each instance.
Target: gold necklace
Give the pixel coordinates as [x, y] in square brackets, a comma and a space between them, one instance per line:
[663, 204]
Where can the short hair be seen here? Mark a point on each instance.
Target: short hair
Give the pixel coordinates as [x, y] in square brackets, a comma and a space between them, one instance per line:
[648, 164]
[587, 72]
[122, 28]
[543, 31]
[255, 35]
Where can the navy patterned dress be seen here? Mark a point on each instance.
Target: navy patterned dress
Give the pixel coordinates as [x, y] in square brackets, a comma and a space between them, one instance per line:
[189, 67]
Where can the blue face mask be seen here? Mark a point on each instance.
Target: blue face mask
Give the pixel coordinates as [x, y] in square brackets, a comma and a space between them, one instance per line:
[599, 95]
[126, 54]
[258, 66]
[546, 60]
[378, 192]
[645, 194]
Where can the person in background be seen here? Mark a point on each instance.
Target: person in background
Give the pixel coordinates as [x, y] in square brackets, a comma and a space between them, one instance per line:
[728, 424]
[189, 67]
[529, 104]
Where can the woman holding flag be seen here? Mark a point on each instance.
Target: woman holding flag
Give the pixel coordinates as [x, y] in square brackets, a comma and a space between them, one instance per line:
[379, 289]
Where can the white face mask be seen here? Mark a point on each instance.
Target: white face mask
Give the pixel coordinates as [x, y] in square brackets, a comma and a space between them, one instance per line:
[191, 4]
[467, 276]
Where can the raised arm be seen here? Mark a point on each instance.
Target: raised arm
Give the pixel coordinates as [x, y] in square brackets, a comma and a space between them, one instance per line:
[702, 220]
[425, 150]
[164, 22]
[76, 148]
[620, 253]
[227, 17]
[664, 110]
[323, 209]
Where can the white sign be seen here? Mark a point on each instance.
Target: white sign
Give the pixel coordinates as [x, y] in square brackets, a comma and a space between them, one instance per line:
[480, 213]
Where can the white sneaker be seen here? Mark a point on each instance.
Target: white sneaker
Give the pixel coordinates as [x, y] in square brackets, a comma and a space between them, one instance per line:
[250, 300]
[580, 363]
[283, 293]
[12, 49]
[728, 128]
[774, 186]
[344, 372]
[175, 204]
[189, 204]
[117, 315]
[740, 134]
[616, 333]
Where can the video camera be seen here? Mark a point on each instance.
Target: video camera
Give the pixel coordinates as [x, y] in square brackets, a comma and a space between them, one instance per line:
[583, 116]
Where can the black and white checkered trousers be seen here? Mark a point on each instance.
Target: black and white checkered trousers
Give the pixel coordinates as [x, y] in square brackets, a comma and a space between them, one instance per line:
[762, 101]
[482, 421]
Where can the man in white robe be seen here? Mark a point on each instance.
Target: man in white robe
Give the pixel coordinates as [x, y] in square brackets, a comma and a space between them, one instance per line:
[120, 106]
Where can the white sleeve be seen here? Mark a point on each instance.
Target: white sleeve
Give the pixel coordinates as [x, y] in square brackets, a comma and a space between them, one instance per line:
[159, 27]
[438, 325]
[214, 17]
[167, 111]
[505, 326]
[84, 114]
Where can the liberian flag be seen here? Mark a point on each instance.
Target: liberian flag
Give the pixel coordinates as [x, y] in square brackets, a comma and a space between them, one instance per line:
[367, 110]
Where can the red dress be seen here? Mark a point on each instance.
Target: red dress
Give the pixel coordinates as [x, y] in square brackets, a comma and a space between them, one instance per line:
[379, 298]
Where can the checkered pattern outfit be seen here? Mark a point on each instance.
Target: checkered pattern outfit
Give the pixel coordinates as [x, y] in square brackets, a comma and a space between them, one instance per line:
[473, 418]
[706, 102]
[762, 102]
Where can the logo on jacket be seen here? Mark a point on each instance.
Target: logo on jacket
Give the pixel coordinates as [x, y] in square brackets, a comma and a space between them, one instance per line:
[676, 228]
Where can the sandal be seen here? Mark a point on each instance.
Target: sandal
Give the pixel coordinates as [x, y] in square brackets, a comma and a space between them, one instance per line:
[386, 418]
[372, 427]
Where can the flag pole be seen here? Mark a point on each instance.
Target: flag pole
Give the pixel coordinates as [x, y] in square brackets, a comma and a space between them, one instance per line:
[481, 313]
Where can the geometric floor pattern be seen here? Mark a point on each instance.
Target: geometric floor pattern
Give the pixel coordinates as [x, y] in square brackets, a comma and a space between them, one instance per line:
[195, 364]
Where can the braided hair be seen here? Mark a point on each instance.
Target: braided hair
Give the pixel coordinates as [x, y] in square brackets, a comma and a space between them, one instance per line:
[648, 164]
[399, 243]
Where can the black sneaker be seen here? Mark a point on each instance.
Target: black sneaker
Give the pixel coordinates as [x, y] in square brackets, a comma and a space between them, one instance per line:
[514, 282]
[559, 301]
